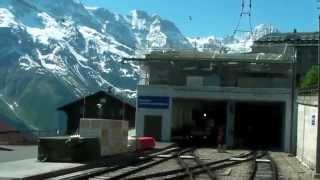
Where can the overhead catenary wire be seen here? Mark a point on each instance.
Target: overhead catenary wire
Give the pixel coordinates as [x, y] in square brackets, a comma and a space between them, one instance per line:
[246, 7]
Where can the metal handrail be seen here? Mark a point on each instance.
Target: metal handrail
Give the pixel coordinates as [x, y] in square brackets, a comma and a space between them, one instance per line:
[308, 91]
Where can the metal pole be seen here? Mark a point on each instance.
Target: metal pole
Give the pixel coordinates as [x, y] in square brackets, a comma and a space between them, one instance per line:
[293, 92]
[318, 91]
[123, 107]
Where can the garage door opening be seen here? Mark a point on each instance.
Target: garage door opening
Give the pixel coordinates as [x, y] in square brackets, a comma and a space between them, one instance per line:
[199, 120]
[259, 125]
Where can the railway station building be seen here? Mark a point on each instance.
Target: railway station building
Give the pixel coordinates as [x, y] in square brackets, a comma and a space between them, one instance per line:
[247, 96]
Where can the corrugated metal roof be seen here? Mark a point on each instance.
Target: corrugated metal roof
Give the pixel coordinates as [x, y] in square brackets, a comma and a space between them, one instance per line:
[285, 37]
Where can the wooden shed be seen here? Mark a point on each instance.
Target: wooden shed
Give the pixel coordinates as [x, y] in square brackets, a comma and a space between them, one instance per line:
[10, 135]
[101, 105]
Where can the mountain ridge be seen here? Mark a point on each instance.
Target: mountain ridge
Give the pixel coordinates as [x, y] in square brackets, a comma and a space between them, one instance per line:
[54, 52]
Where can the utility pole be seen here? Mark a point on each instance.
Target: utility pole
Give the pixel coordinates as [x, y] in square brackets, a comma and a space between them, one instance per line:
[123, 106]
[241, 29]
[318, 94]
[246, 7]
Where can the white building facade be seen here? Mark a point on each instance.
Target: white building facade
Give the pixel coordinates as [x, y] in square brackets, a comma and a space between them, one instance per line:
[180, 95]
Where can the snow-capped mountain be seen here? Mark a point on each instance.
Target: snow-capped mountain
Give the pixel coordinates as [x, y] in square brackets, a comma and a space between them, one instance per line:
[209, 43]
[239, 43]
[55, 51]
[52, 52]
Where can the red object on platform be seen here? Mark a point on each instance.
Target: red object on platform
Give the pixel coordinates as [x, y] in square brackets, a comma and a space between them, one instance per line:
[146, 143]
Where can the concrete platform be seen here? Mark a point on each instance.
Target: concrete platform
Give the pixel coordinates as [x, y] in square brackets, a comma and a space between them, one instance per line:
[17, 152]
[31, 167]
[163, 145]
[290, 168]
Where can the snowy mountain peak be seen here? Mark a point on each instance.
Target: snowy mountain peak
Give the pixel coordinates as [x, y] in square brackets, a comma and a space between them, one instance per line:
[230, 44]
[139, 14]
[140, 20]
[264, 29]
[60, 50]
[91, 8]
[56, 51]
[7, 19]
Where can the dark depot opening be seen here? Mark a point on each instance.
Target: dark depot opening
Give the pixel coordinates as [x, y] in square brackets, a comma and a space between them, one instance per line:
[198, 121]
[209, 123]
[259, 124]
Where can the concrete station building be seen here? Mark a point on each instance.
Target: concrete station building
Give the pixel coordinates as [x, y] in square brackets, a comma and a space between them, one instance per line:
[182, 93]
[248, 95]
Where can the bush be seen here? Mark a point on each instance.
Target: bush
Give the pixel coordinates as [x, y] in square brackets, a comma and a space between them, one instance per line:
[311, 78]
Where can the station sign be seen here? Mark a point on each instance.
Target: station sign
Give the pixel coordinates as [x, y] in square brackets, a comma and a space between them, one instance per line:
[153, 102]
[313, 120]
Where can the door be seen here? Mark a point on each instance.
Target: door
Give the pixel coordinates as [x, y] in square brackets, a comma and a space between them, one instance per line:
[153, 126]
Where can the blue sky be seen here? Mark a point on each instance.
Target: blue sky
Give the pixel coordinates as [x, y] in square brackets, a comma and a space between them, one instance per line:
[219, 17]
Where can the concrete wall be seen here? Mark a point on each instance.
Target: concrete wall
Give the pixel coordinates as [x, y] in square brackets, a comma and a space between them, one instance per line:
[307, 130]
[112, 134]
[249, 82]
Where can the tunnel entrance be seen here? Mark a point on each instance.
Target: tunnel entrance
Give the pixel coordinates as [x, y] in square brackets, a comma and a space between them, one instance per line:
[199, 121]
[259, 124]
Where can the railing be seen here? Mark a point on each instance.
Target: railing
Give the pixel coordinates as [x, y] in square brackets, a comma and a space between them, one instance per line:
[213, 82]
[308, 96]
[194, 50]
[308, 91]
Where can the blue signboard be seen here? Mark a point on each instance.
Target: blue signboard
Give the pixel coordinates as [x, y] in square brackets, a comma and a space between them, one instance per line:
[153, 102]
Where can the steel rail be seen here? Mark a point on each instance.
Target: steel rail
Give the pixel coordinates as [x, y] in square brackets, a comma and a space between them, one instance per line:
[184, 165]
[200, 171]
[201, 163]
[254, 167]
[181, 170]
[101, 170]
[145, 166]
[274, 167]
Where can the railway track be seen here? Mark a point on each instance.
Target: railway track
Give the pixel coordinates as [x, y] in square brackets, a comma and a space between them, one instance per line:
[99, 168]
[264, 169]
[200, 168]
[189, 168]
[197, 159]
[125, 172]
[199, 163]
[185, 165]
